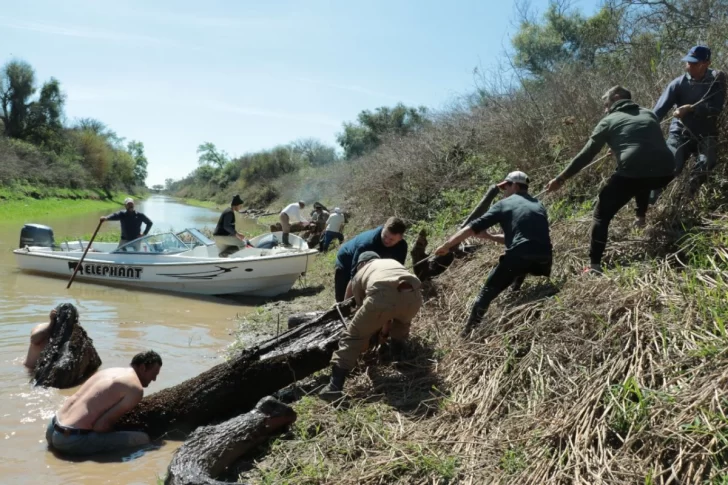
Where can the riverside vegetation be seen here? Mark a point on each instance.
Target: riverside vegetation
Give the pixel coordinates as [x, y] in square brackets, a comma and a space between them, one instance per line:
[43, 157]
[578, 379]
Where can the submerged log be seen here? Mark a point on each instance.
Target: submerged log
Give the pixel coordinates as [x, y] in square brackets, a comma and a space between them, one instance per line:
[211, 449]
[69, 357]
[235, 386]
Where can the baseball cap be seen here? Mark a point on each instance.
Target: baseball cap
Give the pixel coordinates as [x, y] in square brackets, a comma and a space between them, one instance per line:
[128, 200]
[367, 256]
[699, 53]
[337, 210]
[516, 177]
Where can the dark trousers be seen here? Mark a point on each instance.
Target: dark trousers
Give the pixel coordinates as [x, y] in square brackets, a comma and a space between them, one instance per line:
[705, 150]
[341, 280]
[512, 267]
[615, 195]
[329, 236]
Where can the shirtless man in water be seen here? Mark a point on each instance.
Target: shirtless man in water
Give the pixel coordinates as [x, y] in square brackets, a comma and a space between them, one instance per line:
[38, 340]
[84, 425]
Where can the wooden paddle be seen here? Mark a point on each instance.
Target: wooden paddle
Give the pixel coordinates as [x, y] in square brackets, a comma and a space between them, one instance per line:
[75, 270]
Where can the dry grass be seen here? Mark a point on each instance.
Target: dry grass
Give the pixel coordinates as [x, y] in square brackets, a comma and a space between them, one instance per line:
[588, 380]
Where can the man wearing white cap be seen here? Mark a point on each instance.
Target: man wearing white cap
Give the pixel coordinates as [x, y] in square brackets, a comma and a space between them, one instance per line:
[131, 223]
[525, 234]
[334, 229]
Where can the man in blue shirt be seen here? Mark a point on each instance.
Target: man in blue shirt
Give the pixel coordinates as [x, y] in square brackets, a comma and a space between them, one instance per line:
[699, 95]
[387, 241]
[131, 223]
[526, 237]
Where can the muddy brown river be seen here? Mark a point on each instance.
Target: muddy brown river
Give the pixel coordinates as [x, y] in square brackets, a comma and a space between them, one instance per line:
[189, 333]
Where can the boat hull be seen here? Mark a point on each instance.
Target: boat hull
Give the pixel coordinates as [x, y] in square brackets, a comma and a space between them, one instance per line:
[257, 276]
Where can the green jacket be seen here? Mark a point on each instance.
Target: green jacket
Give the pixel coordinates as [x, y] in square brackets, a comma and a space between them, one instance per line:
[635, 137]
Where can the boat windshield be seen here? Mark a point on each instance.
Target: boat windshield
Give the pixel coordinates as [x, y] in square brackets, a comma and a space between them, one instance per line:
[193, 238]
[165, 243]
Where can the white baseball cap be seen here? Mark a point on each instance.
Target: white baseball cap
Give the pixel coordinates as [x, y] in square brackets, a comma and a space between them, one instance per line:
[516, 177]
[128, 200]
[337, 210]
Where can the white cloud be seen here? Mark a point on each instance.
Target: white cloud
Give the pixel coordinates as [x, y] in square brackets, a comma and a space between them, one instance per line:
[81, 32]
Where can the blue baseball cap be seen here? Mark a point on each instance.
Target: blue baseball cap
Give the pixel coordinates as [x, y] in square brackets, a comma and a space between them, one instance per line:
[699, 53]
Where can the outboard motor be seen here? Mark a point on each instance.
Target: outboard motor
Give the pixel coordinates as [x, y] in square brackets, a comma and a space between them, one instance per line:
[36, 235]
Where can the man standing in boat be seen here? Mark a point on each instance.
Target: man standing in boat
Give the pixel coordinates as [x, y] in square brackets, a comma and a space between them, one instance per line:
[85, 423]
[131, 223]
[227, 238]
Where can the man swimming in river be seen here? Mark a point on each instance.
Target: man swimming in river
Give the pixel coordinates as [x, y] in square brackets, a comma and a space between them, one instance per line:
[39, 339]
[85, 423]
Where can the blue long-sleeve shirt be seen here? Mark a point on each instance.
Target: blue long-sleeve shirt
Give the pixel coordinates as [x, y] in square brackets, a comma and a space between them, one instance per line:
[708, 96]
[370, 240]
[131, 223]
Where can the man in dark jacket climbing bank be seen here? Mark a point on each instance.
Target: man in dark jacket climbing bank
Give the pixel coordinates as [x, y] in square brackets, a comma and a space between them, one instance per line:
[227, 239]
[698, 96]
[387, 241]
[644, 163]
[525, 234]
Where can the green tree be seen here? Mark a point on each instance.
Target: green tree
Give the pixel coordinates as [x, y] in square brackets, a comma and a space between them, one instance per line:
[17, 85]
[169, 184]
[136, 150]
[210, 155]
[367, 133]
[314, 152]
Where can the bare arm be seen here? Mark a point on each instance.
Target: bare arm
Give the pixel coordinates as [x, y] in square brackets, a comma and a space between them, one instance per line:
[106, 421]
[41, 332]
[349, 291]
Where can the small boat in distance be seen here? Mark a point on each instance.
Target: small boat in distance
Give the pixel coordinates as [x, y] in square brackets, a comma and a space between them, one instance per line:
[185, 262]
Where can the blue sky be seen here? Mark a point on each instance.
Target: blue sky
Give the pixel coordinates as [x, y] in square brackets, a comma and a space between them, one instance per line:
[251, 75]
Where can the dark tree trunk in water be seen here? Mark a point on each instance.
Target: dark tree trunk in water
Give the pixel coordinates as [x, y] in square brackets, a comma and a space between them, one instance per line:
[69, 357]
[211, 449]
[235, 386]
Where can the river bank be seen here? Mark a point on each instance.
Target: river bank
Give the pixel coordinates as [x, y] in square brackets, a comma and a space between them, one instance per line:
[20, 204]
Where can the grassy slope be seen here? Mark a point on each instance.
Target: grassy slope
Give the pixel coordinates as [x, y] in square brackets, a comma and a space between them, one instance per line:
[580, 380]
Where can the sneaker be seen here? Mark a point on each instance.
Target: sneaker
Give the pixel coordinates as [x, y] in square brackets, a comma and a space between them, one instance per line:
[467, 331]
[639, 222]
[593, 269]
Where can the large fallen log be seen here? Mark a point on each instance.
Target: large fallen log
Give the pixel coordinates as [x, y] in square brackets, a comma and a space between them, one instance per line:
[235, 386]
[69, 357]
[210, 450]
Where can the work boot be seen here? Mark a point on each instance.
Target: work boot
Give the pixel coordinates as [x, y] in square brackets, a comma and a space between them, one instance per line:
[286, 242]
[468, 330]
[333, 390]
[640, 222]
[397, 349]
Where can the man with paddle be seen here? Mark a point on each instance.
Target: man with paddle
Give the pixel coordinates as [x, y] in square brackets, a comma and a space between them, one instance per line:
[131, 223]
[526, 237]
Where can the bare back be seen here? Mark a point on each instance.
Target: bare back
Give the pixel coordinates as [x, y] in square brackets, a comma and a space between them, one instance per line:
[102, 400]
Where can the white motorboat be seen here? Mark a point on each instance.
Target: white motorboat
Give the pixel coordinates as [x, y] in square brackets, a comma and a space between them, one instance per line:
[185, 262]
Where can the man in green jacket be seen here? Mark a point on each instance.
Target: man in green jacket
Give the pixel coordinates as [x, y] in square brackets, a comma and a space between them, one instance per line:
[644, 163]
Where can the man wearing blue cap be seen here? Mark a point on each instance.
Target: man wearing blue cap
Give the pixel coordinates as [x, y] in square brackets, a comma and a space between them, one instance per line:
[699, 95]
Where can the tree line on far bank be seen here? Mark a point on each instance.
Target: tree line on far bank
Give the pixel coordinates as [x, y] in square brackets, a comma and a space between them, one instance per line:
[264, 176]
[38, 147]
